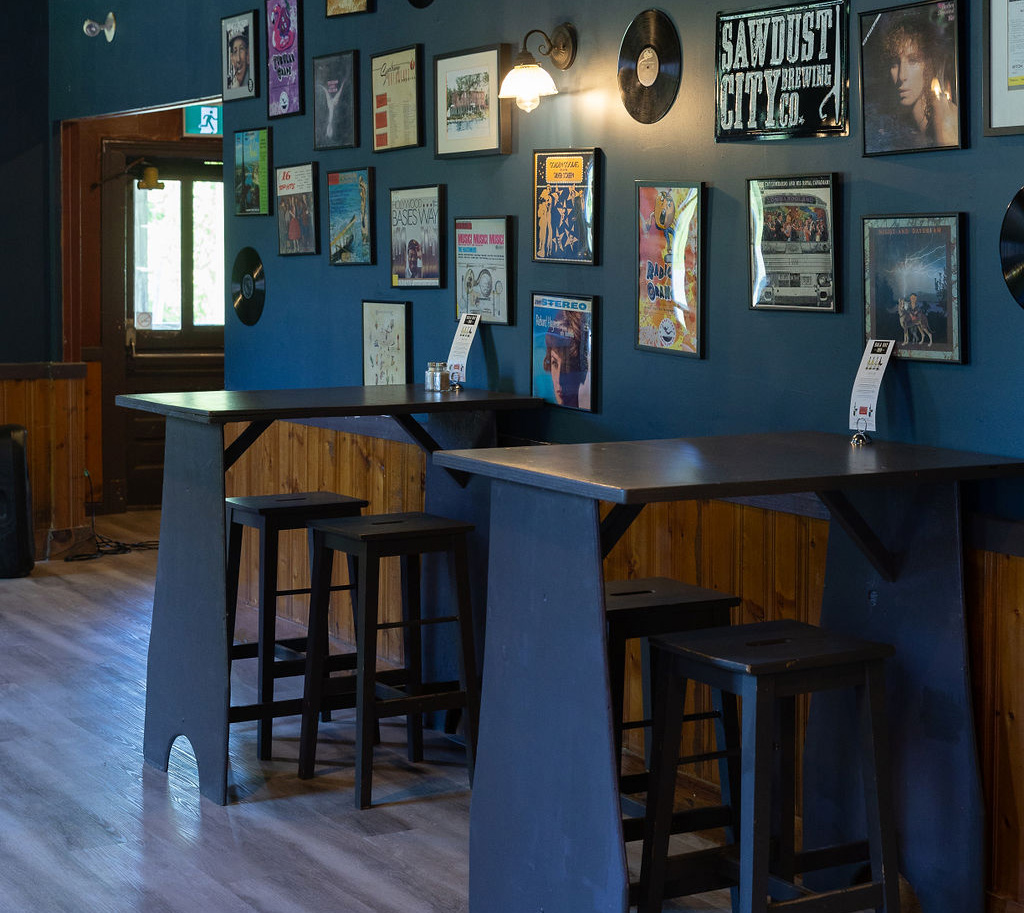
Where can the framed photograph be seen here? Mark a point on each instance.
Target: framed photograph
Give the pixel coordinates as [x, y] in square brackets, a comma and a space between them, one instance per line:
[397, 92]
[239, 41]
[252, 172]
[912, 284]
[669, 217]
[385, 344]
[564, 350]
[910, 86]
[565, 205]
[350, 217]
[282, 22]
[344, 7]
[482, 274]
[792, 243]
[470, 119]
[417, 236]
[777, 78]
[1003, 21]
[298, 221]
[336, 100]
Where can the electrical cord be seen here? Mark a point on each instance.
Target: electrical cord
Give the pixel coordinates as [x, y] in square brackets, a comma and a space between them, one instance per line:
[104, 544]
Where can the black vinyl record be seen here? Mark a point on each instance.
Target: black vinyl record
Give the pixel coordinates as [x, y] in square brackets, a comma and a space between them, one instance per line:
[1011, 247]
[248, 286]
[421, 4]
[649, 66]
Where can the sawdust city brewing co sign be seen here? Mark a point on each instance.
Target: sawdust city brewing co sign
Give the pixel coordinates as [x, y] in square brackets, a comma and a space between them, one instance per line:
[782, 72]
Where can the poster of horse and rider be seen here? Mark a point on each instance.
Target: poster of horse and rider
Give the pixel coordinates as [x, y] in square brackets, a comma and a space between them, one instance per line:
[912, 284]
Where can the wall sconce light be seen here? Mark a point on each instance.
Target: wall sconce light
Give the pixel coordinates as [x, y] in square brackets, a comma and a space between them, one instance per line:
[150, 180]
[92, 28]
[527, 81]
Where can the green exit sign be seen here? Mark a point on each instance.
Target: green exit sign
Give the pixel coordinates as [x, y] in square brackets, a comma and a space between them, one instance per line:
[203, 120]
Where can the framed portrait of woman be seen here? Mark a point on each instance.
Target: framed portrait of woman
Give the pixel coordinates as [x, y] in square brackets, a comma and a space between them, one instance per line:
[910, 86]
[564, 350]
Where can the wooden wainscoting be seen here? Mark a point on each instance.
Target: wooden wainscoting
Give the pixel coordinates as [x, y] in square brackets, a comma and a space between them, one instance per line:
[773, 560]
[49, 401]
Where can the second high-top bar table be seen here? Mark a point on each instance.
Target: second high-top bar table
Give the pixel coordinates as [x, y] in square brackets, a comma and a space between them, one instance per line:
[187, 678]
[545, 831]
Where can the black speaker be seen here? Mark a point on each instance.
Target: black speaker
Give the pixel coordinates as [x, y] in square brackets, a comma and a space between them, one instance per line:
[17, 545]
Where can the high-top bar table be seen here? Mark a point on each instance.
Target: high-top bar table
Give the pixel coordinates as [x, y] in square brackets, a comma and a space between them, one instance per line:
[545, 831]
[187, 678]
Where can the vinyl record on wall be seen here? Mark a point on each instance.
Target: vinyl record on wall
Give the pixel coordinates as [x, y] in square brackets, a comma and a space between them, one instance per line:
[248, 286]
[421, 4]
[649, 66]
[1011, 247]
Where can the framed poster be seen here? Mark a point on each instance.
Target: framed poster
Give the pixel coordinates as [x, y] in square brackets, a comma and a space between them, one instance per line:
[910, 86]
[778, 79]
[239, 59]
[669, 218]
[385, 345]
[417, 236]
[344, 7]
[252, 172]
[336, 100]
[912, 284]
[563, 349]
[284, 57]
[350, 217]
[470, 119]
[482, 272]
[1003, 22]
[565, 205]
[297, 214]
[792, 238]
[397, 93]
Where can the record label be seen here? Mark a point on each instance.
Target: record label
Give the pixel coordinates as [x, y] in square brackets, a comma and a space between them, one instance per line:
[248, 286]
[649, 66]
[1011, 247]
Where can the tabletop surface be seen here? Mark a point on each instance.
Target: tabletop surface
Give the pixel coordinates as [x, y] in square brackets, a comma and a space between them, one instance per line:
[218, 406]
[637, 472]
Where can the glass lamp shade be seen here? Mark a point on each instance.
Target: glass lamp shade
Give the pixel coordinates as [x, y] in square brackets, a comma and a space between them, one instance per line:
[526, 83]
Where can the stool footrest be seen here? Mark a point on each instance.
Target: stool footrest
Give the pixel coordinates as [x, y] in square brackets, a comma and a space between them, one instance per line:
[419, 703]
[687, 718]
[831, 856]
[242, 713]
[693, 873]
[302, 590]
[685, 821]
[416, 623]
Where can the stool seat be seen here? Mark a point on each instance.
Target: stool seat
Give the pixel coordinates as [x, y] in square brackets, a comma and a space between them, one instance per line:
[275, 657]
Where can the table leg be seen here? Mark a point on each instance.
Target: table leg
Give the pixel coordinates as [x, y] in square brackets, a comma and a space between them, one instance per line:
[935, 778]
[545, 832]
[187, 678]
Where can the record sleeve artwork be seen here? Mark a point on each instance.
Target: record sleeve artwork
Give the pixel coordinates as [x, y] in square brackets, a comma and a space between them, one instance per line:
[248, 286]
[649, 66]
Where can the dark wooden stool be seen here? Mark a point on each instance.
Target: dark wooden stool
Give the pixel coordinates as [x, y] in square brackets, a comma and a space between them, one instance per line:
[642, 608]
[270, 514]
[768, 665]
[378, 694]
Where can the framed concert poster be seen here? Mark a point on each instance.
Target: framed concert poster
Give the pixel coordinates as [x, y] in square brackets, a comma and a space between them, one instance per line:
[791, 231]
[298, 219]
[482, 275]
[417, 236]
[912, 287]
[239, 57]
[470, 119]
[910, 86]
[344, 7]
[397, 93]
[252, 172]
[778, 79]
[1003, 23]
[336, 100]
[350, 217]
[563, 350]
[282, 22]
[565, 205]
[385, 343]
[669, 218]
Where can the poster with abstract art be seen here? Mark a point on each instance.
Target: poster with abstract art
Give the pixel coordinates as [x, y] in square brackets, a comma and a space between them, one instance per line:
[384, 343]
[336, 100]
[284, 57]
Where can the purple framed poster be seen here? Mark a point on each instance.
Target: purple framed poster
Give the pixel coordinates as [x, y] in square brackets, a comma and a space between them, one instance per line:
[284, 57]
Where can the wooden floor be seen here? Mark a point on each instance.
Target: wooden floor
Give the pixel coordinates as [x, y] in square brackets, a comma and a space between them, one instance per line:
[87, 827]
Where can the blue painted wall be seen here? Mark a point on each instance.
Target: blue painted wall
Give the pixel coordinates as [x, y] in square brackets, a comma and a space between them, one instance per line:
[761, 371]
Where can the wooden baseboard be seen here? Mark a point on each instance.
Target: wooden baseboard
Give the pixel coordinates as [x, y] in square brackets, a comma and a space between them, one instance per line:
[996, 904]
[60, 542]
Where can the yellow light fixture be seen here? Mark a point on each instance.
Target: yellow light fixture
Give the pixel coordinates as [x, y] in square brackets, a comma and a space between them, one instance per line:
[527, 81]
[150, 180]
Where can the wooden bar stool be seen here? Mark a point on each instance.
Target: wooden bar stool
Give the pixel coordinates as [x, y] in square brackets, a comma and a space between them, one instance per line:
[643, 608]
[768, 665]
[378, 694]
[270, 514]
